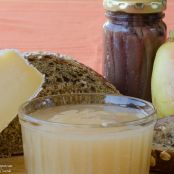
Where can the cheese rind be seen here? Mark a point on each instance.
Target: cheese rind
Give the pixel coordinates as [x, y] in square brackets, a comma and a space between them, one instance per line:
[19, 82]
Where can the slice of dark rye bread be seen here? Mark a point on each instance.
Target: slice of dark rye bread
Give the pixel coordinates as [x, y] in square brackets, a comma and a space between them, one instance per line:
[62, 75]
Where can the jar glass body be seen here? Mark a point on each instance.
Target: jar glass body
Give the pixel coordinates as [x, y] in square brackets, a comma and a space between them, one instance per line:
[130, 45]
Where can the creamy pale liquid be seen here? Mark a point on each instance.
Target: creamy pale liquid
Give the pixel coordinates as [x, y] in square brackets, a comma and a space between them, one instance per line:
[101, 149]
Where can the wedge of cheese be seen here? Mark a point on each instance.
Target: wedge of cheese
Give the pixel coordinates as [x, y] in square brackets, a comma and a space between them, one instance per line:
[19, 82]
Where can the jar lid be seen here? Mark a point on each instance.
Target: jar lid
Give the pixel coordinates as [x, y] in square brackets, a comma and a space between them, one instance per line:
[135, 6]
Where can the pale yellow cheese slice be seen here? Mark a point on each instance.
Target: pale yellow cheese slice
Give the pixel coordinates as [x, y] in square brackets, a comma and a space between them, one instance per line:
[19, 82]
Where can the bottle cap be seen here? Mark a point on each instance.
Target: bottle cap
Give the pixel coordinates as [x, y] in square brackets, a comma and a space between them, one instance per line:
[135, 6]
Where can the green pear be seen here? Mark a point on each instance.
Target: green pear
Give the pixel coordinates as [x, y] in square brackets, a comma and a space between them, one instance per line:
[163, 79]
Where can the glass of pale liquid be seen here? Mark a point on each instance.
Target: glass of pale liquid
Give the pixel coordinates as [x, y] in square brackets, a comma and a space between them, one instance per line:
[87, 134]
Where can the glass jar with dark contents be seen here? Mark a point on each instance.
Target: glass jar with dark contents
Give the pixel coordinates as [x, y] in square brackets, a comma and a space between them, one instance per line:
[133, 33]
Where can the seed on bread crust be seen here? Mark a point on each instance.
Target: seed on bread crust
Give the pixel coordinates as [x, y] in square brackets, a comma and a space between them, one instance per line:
[152, 161]
[165, 156]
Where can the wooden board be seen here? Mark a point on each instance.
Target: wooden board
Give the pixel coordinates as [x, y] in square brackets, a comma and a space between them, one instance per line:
[15, 165]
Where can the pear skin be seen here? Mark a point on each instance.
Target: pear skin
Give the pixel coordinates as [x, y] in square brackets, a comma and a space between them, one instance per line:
[162, 85]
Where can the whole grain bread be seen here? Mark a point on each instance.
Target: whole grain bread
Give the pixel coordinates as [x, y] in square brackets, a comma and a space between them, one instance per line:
[62, 75]
[162, 159]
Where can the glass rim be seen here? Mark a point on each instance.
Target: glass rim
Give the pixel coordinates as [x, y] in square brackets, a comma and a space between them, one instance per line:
[36, 121]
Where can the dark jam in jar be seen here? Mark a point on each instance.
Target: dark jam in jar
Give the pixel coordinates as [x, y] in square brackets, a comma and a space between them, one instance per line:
[130, 45]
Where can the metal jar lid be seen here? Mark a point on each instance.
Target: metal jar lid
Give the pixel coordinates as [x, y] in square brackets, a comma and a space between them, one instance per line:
[135, 6]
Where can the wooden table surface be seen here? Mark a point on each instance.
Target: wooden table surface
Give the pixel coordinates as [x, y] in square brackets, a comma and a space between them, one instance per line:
[14, 165]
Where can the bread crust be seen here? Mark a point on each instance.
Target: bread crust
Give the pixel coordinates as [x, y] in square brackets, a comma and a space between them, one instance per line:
[162, 159]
